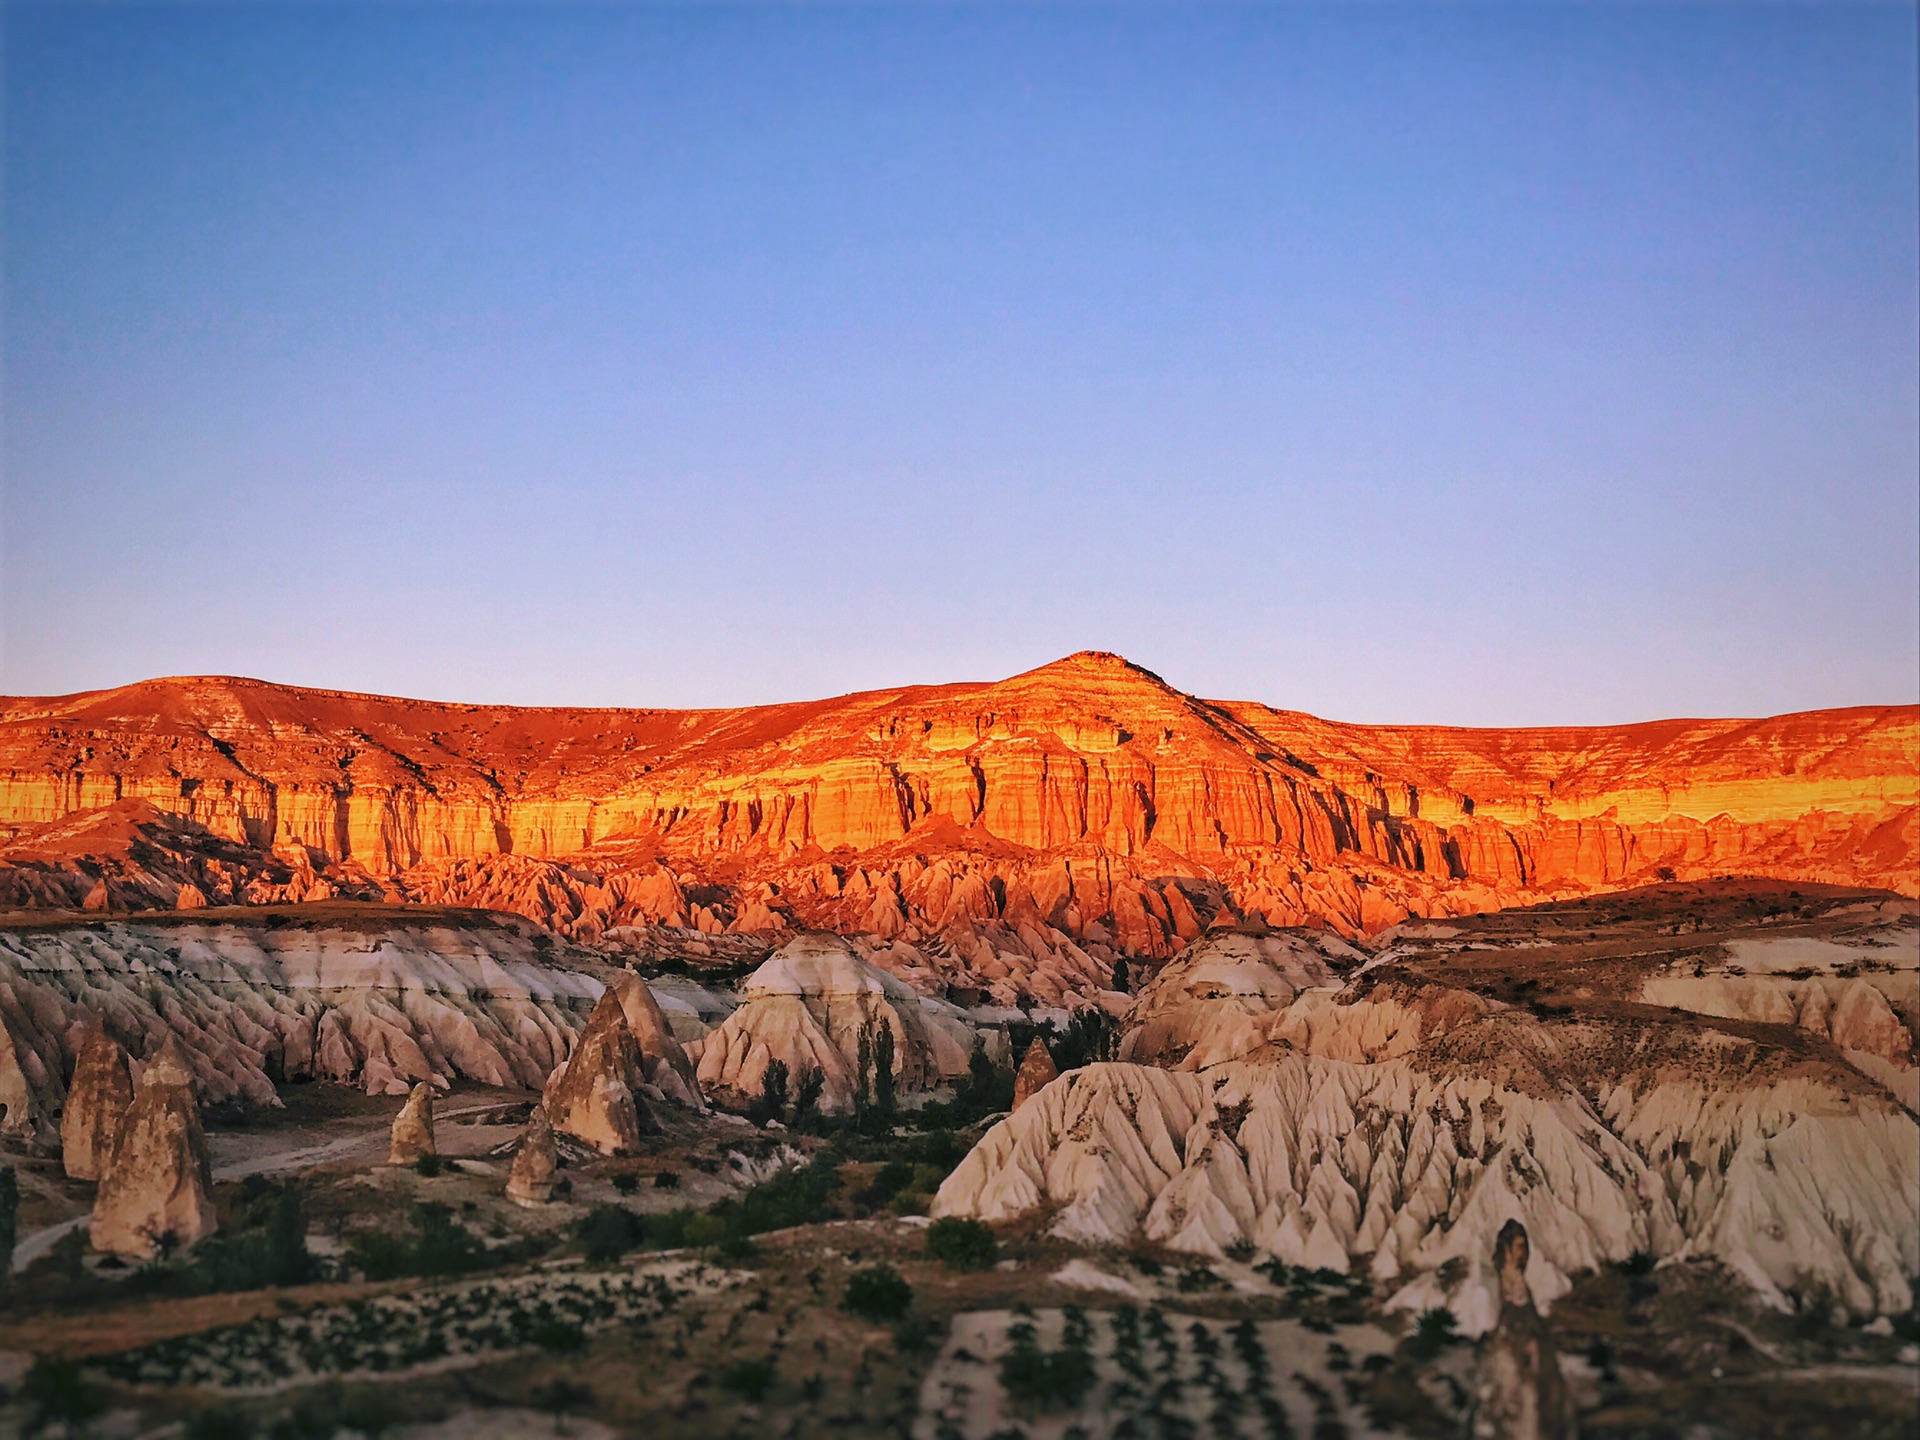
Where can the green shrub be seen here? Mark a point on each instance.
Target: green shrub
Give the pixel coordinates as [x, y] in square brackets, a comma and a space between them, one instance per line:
[1044, 1379]
[962, 1244]
[879, 1293]
[218, 1422]
[703, 1230]
[750, 1379]
[265, 1246]
[438, 1246]
[626, 1183]
[55, 1394]
[666, 1180]
[429, 1166]
[607, 1232]
[559, 1337]
[1435, 1331]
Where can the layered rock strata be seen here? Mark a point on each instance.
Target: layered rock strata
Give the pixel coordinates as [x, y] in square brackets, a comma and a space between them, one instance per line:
[807, 1006]
[1085, 803]
[1396, 1124]
[380, 1000]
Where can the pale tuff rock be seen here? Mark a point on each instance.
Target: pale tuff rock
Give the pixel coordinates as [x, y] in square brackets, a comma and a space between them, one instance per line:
[1036, 1072]
[97, 1103]
[530, 1181]
[1858, 1015]
[805, 1007]
[1522, 1395]
[379, 1009]
[1215, 996]
[662, 1059]
[1329, 1163]
[170, 1065]
[24, 1079]
[158, 1189]
[592, 1097]
[413, 1128]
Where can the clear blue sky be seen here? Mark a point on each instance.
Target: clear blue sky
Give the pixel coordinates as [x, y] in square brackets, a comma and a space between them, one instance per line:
[1487, 365]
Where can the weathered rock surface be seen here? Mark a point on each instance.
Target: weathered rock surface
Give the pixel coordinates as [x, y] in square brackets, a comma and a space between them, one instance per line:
[592, 1097]
[1036, 1072]
[157, 1193]
[1084, 808]
[805, 1007]
[412, 1136]
[664, 1064]
[1397, 1123]
[97, 1103]
[530, 1181]
[1218, 995]
[379, 1000]
[1326, 1163]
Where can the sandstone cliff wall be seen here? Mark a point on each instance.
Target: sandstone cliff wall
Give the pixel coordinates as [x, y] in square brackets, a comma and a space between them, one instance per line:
[1297, 818]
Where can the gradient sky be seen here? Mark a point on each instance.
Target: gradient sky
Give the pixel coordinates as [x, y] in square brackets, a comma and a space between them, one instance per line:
[1483, 365]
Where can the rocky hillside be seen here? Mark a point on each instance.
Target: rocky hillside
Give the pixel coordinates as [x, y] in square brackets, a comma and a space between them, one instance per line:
[1084, 808]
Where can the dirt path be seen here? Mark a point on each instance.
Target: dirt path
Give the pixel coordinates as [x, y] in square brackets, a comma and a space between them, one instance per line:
[288, 1160]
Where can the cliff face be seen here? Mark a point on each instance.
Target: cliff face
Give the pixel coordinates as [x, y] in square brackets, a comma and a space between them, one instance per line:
[1085, 793]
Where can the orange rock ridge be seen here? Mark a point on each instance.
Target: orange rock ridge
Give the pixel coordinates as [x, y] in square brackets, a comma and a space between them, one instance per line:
[1085, 805]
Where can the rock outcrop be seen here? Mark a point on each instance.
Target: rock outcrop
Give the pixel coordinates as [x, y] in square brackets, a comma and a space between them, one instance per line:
[412, 1137]
[1218, 995]
[1085, 806]
[381, 1000]
[1036, 1072]
[157, 1194]
[1701, 1144]
[530, 1181]
[1522, 1394]
[97, 1103]
[592, 1097]
[806, 1007]
[664, 1063]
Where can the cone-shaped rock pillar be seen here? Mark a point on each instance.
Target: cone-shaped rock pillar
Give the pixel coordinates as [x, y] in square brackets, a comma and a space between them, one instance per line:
[1037, 1072]
[592, 1098]
[158, 1190]
[97, 1103]
[413, 1128]
[530, 1182]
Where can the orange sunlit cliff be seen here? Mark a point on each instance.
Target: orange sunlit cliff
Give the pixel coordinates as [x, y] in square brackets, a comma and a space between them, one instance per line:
[1086, 799]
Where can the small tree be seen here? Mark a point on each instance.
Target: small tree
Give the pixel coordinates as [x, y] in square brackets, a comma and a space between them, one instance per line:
[1120, 975]
[878, 1293]
[9, 1222]
[772, 1101]
[883, 1070]
[806, 1099]
[962, 1244]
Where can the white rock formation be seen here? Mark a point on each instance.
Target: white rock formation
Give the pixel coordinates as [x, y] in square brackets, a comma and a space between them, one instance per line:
[382, 1009]
[1332, 1163]
[1214, 1000]
[805, 1007]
